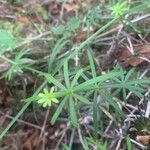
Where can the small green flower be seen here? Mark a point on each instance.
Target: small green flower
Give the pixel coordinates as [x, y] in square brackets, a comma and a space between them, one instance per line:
[119, 9]
[47, 97]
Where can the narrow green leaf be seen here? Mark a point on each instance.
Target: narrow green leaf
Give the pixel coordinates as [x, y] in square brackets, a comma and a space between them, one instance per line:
[107, 85]
[128, 141]
[140, 7]
[21, 54]
[113, 104]
[87, 88]
[136, 92]
[84, 77]
[102, 146]
[51, 79]
[97, 79]
[139, 81]
[116, 91]
[82, 99]
[91, 61]
[124, 94]
[129, 74]
[59, 45]
[66, 74]
[58, 66]
[73, 116]
[86, 144]
[31, 99]
[76, 77]
[95, 116]
[117, 80]
[136, 88]
[65, 147]
[59, 110]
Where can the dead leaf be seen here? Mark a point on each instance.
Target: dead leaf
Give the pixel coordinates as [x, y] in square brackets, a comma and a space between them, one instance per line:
[142, 53]
[23, 19]
[70, 7]
[145, 139]
[32, 141]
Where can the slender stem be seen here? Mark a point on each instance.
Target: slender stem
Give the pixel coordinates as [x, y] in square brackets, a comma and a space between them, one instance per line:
[91, 38]
[8, 60]
[20, 113]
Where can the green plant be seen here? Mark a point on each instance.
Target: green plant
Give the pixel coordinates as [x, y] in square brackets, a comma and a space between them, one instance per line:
[51, 71]
[71, 85]
[17, 64]
[17, 1]
[65, 147]
[66, 30]
[47, 97]
[90, 142]
[126, 83]
[94, 16]
[71, 90]
[141, 6]
[120, 9]
[7, 41]
[128, 141]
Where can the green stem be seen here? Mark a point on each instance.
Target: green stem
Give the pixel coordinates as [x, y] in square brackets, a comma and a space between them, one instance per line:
[8, 60]
[60, 94]
[20, 112]
[91, 38]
